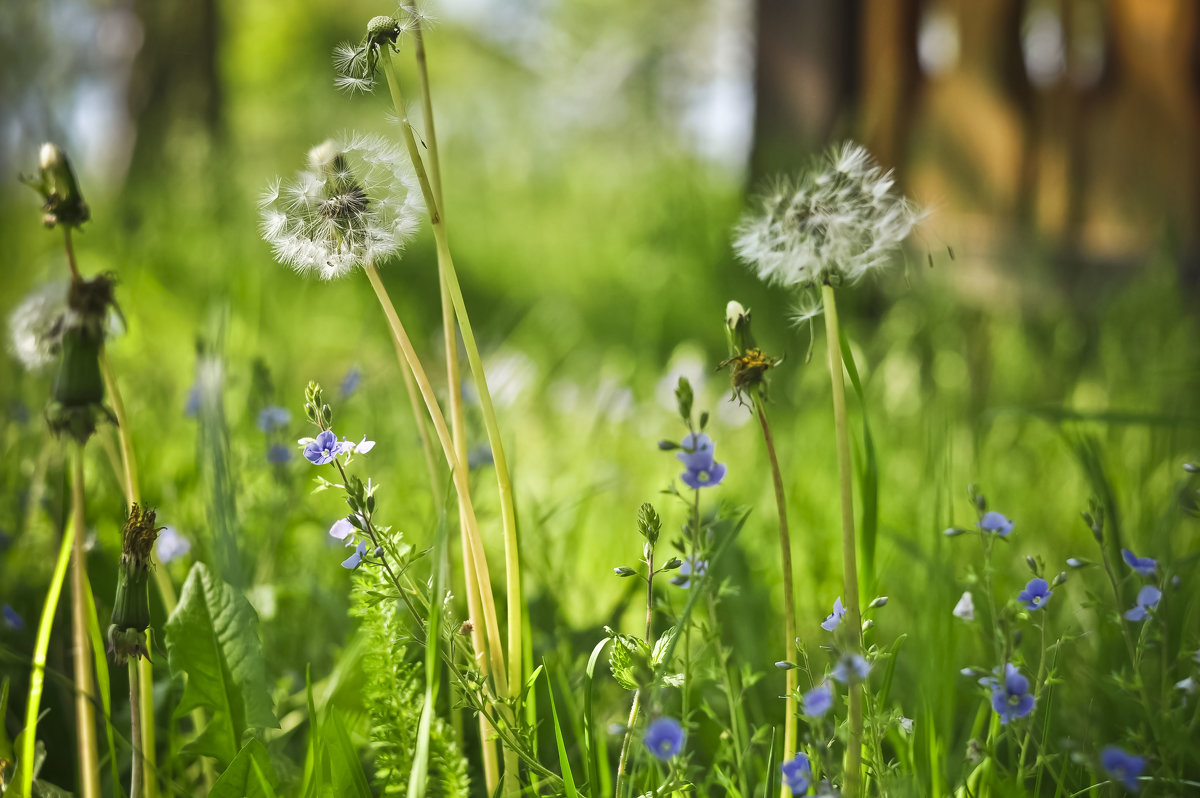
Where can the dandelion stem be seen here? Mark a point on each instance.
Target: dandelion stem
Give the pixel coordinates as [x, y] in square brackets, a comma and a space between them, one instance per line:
[85, 691]
[408, 354]
[135, 730]
[853, 761]
[70, 248]
[789, 601]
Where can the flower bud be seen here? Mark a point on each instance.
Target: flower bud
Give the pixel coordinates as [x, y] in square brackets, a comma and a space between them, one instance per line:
[954, 532]
[131, 608]
[56, 182]
[672, 564]
[649, 523]
[879, 601]
[1191, 468]
[1060, 579]
[784, 665]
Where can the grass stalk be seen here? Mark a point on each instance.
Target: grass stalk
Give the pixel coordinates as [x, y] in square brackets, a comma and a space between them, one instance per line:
[789, 601]
[853, 759]
[135, 731]
[87, 754]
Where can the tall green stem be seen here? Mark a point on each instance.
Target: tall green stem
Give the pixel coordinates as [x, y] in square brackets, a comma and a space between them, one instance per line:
[853, 760]
[789, 601]
[136, 741]
[87, 756]
[623, 762]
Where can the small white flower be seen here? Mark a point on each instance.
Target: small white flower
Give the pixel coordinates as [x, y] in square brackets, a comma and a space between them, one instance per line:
[906, 725]
[356, 204]
[965, 608]
[835, 222]
[1187, 685]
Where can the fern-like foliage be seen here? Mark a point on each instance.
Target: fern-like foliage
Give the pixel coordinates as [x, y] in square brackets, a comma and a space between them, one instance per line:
[394, 693]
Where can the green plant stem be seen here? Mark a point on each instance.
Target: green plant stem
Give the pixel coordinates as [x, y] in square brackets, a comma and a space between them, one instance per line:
[853, 761]
[503, 478]
[459, 473]
[37, 677]
[1041, 676]
[789, 601]
[87, 756]
[135, 731]
[623, 761]
[69, 246]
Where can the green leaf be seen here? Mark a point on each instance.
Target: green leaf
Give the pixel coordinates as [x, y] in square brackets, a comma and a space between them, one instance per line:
[348, 776]
[247, 773]
[564, 761]
[212, 636]
[591, 741]
[661, 645]
[629, 660]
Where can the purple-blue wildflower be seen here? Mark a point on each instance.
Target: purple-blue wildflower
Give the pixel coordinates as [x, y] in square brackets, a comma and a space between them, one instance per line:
[851, 668]
[12, 619]
[818, 701]
[191, 407]
[664, 737]
[342, 529]
[323, 449]
[171, 545]
[350, 383]
[273, 417]
[834, 619]
[993, 521]
[1011, 699]
[797, 774]
[1147, 599]
[690, 567]
[1036, 594]
[278, 454]
[1146, 566]
[697, 457]
[1122, 766]
[355, 559]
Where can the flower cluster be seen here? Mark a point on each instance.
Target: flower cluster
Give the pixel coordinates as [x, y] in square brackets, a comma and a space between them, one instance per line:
[355, 205]
[834, 223]
[697, 457]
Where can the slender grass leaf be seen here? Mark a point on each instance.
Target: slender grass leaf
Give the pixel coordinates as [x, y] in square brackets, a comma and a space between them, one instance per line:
[564, 761]
[868, 477]
[212, 636]
[345, 766]
[310, 784]
[590, 739]
[103, 682]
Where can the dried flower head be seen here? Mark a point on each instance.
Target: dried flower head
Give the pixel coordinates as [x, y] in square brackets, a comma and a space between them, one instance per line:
[833, 223]
[356, 204]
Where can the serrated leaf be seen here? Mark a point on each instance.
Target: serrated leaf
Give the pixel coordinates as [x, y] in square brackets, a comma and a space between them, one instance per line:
[629, 660]
[246, 774]
[674, 680]
[661, 645]
[212, 636]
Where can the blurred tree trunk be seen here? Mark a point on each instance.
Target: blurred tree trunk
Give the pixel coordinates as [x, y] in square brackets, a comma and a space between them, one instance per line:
[175, 97]
[890, 77]
[806, 78]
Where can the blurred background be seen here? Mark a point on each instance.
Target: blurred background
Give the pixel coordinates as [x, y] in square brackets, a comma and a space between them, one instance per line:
[1038, 337]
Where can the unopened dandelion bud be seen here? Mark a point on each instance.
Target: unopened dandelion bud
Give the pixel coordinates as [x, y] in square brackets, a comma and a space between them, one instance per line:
[878, 601]
[672, 564]
[78, 394]
[624, 571]
[131, 608]
[56, 182]
[649, 523]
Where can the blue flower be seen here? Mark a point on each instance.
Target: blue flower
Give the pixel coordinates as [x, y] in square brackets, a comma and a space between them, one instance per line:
[1147, 599]
[1011, 700]
[1146, 566]
[191, 407]
[664, 737]
[993, 521]
[11, 619]
[171, 545]
[350, 383]
[1036, 594]
[273, 417]
[479, 456]
[323, 449]
[818, 701]
[851, 668]
[697, 458]
[279, 454]
[1123, 767]
[797, 774]
[342, 529]
[355, 559]
[834, 619]
[691, 567]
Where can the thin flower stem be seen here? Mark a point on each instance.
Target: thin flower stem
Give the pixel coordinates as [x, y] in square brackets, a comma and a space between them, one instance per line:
[622, 763]
[70, 248]
[1041, 675]
[135, 731]
[789, 601]
[405, 348]
[508, 520]
[853, 763]
[87, 754]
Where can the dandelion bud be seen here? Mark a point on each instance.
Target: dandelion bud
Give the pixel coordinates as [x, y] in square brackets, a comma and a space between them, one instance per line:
[131, 608]
[878, 601]
[78, 395]
[59, 188]
[624, 571]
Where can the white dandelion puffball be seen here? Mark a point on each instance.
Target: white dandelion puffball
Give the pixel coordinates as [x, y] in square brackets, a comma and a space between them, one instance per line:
[834, 222]
[35, 325]
[356, 204]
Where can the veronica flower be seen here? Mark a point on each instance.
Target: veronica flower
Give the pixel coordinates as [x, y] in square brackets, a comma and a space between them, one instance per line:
[851, 668]
[797, 774]
[993, 521]
[664, 737]
[350, 383]
[1123, 767]
[697, 457]
[1147, 600]
[1011, 699]
[1036, 594]
[171, 545]
[965, 608]
[355, 559]
[11, 618]
[1146, 566]
[690, 567]
[818, 701]
[836, 222]
[362, 447]
[342, 529]
[279, 454]
[355, 205]
[273, 417]
[834, 619]
[323, 448]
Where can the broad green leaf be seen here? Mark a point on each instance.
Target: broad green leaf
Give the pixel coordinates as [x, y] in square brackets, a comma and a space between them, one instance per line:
[347, 773]
[212, 636]
[249, 775]
[661, 645]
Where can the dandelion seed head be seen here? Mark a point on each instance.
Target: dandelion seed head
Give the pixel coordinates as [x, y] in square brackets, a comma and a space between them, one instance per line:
[35, 326]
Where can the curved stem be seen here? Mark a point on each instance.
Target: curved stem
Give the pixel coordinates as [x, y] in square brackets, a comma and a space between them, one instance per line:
[87, 755]
[853, 764]
[789, 601]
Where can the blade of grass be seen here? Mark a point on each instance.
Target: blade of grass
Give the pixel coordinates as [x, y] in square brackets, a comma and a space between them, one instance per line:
[868, 477]
[564, 761]
[769, 786]
[103, 683]
[418, 777]
[590, 738]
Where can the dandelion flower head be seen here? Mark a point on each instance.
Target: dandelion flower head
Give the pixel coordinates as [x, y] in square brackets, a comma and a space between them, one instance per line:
[356, 204]
[835, 222]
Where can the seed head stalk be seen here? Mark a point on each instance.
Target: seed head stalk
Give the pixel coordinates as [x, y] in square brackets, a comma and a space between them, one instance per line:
[853, 759]
[85, 690]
